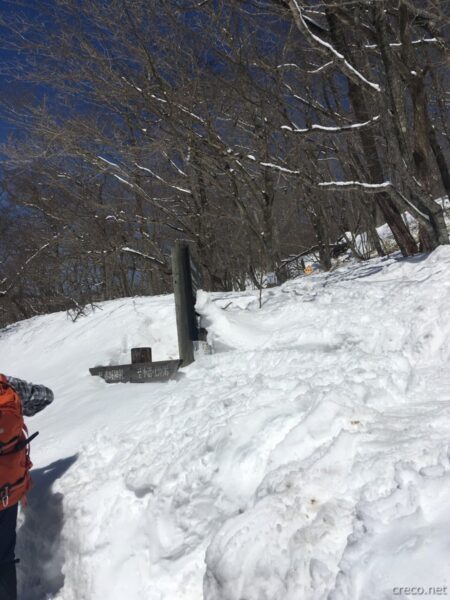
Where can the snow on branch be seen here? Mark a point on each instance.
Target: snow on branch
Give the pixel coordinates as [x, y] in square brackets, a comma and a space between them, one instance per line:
[142, 255]
[108, 162]
[313, 103]
[158, 99]
[288, 66]
[156, 201]
[190, 113]
[25, 264]
[130, 83]
[116, 166]
[123, 180]
[273, 166]
[324, 128]
[339, 58]
[322, 68]
[399, 44]
[158, 177]
[279, 168]
[414, 208]
[174, 165]
[374, 187]
[175, 187]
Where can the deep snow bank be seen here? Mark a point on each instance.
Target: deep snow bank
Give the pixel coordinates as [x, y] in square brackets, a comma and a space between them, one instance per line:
[307, 458]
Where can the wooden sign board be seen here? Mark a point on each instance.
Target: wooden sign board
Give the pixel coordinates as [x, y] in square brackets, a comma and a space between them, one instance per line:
[138, 372]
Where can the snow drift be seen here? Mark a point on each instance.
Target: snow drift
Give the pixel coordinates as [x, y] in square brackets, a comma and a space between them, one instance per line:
[307, 458]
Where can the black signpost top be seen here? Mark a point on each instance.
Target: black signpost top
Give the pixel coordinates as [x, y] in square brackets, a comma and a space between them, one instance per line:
[183, 287]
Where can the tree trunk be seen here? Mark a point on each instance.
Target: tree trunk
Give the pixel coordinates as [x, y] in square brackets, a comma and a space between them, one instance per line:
[389, 209]
[413, 153]
[320, 229]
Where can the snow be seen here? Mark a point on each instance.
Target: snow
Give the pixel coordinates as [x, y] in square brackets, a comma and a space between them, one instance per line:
[303, 26]
[121, 179]
[288, 66]
[399, 44]
[175, 187]
[374, 186]
[141, 254]
[108, 162]
[306, 458]
[279, 168]
[317, 127]
[326, 65]
[158, 99]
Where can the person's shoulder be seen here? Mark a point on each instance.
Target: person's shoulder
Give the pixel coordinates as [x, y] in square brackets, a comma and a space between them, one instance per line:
[19, 385]
[12, 381]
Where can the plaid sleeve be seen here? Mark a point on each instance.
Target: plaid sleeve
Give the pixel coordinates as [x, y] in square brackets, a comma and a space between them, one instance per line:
[34, 397]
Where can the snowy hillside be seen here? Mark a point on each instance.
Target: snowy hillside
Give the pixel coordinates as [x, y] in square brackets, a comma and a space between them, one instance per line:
[308, 458]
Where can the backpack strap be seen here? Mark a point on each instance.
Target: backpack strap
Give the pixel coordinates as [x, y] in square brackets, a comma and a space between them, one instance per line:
[24, 443]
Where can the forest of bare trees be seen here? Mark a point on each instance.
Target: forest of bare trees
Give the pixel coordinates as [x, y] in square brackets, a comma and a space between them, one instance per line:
[255, 129]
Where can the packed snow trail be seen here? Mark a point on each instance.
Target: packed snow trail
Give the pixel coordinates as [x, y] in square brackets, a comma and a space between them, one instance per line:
[308, 458]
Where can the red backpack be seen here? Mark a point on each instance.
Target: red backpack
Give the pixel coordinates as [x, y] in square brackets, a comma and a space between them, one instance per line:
[15, 463]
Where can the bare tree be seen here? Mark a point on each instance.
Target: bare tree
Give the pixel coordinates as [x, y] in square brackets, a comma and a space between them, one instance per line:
[254, 129]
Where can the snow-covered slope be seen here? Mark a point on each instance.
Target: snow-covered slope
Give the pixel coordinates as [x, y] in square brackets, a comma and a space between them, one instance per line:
[307, 458]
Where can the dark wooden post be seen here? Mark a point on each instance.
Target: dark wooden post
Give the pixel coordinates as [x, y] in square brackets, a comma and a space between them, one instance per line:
[184, 302]
[141, 355]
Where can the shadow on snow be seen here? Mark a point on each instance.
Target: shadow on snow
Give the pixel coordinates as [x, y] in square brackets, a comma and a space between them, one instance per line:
[39, 537]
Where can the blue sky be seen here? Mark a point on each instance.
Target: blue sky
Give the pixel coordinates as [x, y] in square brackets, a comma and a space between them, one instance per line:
[11, 90]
